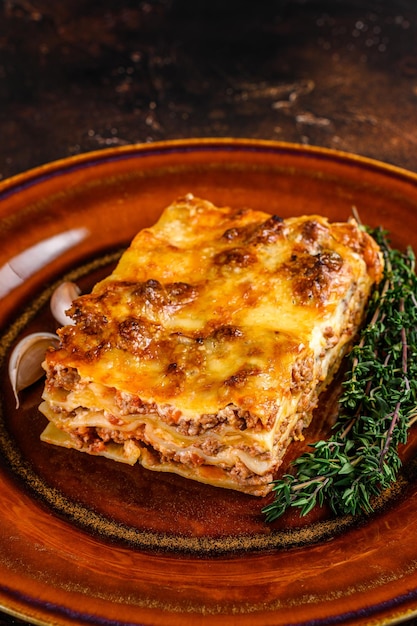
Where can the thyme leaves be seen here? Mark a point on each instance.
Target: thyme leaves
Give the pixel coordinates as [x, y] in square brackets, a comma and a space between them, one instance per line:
[377, 406]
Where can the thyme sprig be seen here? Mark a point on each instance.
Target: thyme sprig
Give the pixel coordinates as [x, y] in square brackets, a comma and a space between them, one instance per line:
[377, 406]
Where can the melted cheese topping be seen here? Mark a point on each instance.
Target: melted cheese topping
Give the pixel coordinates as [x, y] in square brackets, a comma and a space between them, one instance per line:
[212, 309]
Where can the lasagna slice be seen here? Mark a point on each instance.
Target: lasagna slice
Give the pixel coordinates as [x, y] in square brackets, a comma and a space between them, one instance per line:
[205, 351]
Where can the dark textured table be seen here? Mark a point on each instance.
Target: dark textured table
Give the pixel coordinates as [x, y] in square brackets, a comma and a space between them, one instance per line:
[81, 75]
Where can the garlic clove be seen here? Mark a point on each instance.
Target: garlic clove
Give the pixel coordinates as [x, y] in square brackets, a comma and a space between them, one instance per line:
[25, 364]
[61, 300]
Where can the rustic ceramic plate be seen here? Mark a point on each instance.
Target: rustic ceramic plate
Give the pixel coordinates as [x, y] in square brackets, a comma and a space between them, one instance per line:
[84, 540]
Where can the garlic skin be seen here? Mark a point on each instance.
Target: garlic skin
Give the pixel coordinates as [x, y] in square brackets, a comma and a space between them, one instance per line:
[61, 300]
[25, 364]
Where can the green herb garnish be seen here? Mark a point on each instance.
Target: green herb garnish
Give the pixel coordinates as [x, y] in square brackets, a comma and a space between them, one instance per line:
[378, 405]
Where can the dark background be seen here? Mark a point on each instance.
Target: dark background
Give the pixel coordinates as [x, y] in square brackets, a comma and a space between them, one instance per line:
[81, 75]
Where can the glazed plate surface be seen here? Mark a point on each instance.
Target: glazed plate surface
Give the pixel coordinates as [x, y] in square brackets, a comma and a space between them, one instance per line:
[85, 540]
